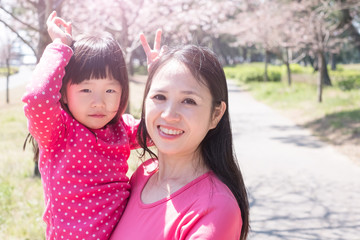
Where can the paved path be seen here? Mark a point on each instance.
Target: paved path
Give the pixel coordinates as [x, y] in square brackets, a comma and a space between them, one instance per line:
[21, 78]
[299, 187]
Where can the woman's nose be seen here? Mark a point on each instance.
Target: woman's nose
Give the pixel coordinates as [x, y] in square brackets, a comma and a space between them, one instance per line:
[170, 112]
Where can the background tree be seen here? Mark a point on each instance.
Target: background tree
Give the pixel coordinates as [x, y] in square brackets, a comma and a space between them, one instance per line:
[27, 19]
[321, 32]
[6, 44]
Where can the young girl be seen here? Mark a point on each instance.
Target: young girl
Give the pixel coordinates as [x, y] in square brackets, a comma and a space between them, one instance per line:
[194, 188]
[74, 107]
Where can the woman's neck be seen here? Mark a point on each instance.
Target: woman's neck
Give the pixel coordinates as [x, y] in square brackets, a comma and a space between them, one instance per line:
[174, 173]
[180, 168]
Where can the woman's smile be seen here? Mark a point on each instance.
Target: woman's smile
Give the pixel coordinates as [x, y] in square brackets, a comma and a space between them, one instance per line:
[166, 131]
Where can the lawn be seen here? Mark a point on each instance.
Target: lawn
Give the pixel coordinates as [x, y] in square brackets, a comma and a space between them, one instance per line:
[21, 199]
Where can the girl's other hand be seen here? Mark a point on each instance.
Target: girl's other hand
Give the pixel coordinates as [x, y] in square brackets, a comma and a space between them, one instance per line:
[152, 55]
[55, 31]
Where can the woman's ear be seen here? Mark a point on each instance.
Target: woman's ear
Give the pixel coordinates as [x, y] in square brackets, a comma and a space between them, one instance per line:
[217, 114]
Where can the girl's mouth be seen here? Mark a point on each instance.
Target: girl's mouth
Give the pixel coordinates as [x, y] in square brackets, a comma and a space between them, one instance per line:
[97, 115]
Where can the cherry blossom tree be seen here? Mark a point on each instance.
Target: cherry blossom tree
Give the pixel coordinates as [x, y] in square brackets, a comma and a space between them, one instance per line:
[182, 21]
[304, 26]
[321, 32]
[27, 19]
[258, 23]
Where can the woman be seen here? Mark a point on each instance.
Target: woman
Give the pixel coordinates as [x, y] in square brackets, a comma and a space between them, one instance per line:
[193, 188]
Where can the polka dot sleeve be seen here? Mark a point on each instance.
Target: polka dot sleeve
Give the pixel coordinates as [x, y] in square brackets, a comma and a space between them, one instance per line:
[42, 107]
[131, 126]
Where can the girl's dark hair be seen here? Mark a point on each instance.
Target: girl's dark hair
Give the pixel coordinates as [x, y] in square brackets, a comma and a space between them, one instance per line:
[97, 57]
[217, 147]
[94, 57]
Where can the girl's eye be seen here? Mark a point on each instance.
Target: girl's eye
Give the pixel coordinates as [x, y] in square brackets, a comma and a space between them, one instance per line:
[85, 90]
[189, 101]
[110, 91]
[159, 97]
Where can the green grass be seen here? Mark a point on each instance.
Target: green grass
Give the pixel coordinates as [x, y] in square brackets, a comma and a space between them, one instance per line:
[4, 71]
[21, 198]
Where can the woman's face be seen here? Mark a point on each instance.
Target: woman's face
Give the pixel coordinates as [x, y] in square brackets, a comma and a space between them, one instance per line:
[178, 110]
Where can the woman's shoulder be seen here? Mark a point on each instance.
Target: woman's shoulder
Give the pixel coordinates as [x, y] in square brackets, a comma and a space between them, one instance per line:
[214, 191]
[145, 170]
[210, 202]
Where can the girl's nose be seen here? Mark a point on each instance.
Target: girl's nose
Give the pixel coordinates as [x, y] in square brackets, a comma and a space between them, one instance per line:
[97, 100]
[170, 113]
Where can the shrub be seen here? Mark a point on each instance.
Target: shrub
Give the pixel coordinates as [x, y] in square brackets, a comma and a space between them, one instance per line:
[140, 70]
[349, 84]
[13, 70]
[297, 68]
[253, 72]
[346, 80]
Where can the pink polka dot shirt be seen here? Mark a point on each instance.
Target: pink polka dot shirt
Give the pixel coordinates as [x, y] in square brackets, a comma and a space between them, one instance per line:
[83, 172]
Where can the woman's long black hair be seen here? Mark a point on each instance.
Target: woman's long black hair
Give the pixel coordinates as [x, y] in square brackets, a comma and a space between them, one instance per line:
[217, 146]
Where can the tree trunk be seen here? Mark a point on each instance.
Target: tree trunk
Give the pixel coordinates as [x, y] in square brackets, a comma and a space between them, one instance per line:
[44, 8]
[287, 62]
[347, 19]
[7, 79]
[325, 73]
[219, 51]
[333, 61]
[130, 63]
[36, 170]
[266, 77]
[321, 75]
[245, 54]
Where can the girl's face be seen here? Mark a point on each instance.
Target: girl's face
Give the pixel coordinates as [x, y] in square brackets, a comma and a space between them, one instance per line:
[178, 110]
[93, 102]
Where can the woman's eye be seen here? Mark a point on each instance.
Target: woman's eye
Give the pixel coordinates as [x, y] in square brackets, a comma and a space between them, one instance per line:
[189, 101]
[159, 97]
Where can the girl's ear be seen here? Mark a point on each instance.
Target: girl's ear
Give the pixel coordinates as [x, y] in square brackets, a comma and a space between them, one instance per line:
[217, 114]
[64, 97]
[63, 92]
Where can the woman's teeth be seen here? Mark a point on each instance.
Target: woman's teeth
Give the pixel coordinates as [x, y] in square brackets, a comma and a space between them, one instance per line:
[171, 131]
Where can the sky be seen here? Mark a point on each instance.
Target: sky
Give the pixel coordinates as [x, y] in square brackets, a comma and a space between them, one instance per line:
[6, 36]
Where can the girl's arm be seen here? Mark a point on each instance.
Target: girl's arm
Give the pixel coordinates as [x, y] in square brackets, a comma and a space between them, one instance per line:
[42, 106]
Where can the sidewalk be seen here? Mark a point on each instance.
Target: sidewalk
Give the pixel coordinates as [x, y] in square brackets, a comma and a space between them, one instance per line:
[20, 78]
[299, 187]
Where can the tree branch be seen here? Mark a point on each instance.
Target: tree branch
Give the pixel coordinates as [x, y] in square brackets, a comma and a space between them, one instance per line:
[34, 4]
[19, 36]
[19, 20]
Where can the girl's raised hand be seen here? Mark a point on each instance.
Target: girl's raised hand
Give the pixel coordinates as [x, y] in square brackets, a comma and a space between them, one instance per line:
[54, 24]
[152, 55]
